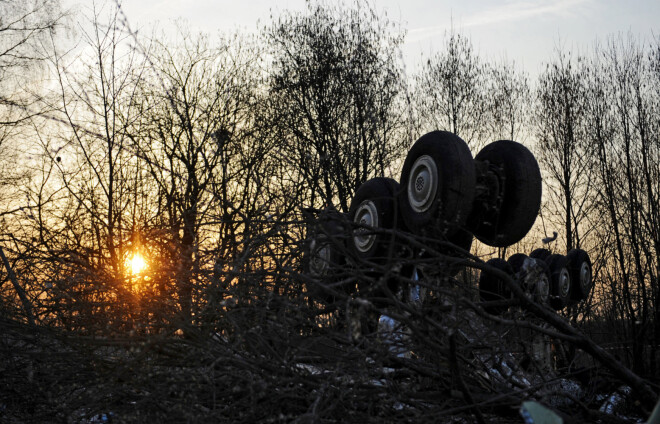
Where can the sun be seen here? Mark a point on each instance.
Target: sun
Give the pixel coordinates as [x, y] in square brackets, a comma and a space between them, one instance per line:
[136, 264]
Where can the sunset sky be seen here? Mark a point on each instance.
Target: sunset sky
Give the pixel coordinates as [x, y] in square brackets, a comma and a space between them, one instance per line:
[524, 31]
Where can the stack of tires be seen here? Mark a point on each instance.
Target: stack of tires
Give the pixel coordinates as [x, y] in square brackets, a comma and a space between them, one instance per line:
[444, 197]
[551, 279]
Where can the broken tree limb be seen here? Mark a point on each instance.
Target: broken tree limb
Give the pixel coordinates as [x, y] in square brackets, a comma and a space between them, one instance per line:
[27, 306]
[641, 386]
[456, 371]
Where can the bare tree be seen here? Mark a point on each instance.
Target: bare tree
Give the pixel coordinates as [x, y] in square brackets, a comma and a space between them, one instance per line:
[509, 102]
[335, 89]
[563, 145]
[623, 101]
[197, 139]
[450, 91]
[88, 177]
[26, 30]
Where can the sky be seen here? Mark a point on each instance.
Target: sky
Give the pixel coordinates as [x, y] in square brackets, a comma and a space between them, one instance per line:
[527, 32]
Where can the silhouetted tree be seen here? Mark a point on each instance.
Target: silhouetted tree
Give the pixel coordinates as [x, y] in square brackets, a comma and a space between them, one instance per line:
[450, 91]
[623, 103]
[335, 88]
[563, 146]
[509, 102]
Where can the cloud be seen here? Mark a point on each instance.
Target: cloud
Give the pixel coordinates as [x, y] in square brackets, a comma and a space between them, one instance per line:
[521, 10]
[510, 12]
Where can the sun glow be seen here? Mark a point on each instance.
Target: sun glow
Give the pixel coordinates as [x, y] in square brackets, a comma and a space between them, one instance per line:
[136, 264]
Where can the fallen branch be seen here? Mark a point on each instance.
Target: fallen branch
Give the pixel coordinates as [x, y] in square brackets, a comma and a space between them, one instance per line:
[575, 337]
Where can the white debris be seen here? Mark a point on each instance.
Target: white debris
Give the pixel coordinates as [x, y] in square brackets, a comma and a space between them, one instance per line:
[311, 369]
[615, 400]
[395, 335]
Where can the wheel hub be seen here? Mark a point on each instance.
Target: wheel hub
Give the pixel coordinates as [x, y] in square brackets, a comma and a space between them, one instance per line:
[542, 288]
[423, 183]
[366, 216]
[419, 184]
[320, 261]
[585, 277]
[564, 283]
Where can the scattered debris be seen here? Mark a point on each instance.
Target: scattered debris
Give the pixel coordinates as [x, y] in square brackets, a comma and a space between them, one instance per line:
[616, 400]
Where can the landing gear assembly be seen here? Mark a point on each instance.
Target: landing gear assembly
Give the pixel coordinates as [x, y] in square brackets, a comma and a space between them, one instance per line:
[444, 199]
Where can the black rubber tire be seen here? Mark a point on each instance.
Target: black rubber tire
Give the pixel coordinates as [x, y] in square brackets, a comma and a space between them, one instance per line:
[560, 281]
[544, 298]
[444, 210]
[493, 288]
[540, 253]
[462, 238]
[579, 266]
[324, 260]
[375, 201]
[516, 262]
[520, 191]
